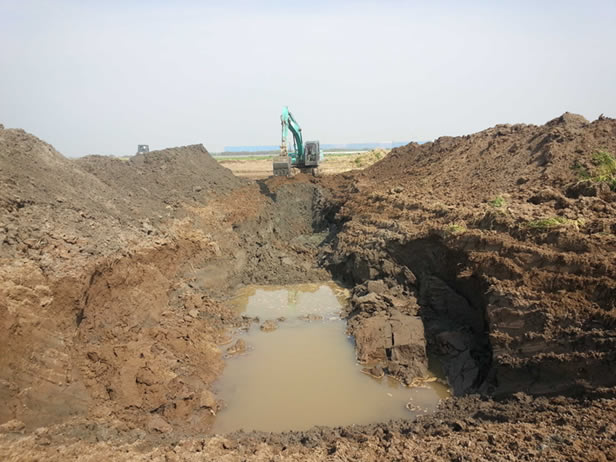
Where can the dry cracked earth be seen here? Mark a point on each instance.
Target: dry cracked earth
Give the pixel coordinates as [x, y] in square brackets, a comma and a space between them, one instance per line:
[490, 256]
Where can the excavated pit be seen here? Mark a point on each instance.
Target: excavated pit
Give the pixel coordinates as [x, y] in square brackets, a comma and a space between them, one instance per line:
[294, 367]
[449, 327]
[303, 217]
[116, 305]
[413, 318]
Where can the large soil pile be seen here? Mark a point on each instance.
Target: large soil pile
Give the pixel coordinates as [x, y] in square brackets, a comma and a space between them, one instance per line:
[97, 203]
[47, 199]
[153, 183]
[501, 159]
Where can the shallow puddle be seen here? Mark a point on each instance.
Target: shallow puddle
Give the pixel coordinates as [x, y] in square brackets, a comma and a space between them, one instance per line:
[304, 373]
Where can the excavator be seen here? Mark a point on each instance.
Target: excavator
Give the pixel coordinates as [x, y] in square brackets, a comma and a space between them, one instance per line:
[304, 157]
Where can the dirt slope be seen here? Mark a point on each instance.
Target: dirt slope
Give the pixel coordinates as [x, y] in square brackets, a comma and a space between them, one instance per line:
[90, 265]
[96, 200]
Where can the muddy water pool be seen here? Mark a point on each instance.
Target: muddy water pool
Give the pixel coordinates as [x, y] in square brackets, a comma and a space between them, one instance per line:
[305, 373]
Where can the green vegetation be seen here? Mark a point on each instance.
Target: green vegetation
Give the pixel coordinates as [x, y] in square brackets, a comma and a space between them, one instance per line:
[456, 229]
[547, 223]
[554, 222]
[605, 164]
[604, 169]
[343, 153]
[358, 162]
[225, 158]
[497, 202]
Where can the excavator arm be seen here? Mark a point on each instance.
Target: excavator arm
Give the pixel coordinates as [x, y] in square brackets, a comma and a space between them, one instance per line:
[290, 124]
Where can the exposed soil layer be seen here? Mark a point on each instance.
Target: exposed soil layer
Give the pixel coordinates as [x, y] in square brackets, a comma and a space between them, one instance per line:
[503, 248]
[488, 259]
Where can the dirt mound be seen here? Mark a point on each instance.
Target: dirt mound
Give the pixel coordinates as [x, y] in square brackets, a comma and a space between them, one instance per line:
[34, 173]
[47, 200]
[97, 203]
[155, 182]
[499, 159]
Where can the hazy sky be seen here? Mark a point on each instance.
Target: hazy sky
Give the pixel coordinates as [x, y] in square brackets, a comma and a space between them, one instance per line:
[102, 76]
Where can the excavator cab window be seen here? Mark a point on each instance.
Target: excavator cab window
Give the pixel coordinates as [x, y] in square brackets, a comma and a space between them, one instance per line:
[312, 153]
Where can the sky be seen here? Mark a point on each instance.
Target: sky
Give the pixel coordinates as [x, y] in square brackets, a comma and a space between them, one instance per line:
[100, 77]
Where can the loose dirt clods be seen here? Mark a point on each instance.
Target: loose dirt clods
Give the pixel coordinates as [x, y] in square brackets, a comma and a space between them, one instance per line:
[115, 279]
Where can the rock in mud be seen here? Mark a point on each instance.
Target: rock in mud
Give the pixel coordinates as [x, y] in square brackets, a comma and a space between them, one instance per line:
[238, 348]
[369, 303]
[12, 426]
[208, 400]
[372, 337]
[157, 424]
[409, 344]
[311, 317]
[269, 326]
[398, 340]
[374, 371]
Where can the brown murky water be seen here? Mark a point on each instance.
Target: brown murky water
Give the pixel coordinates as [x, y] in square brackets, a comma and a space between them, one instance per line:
[305, 373]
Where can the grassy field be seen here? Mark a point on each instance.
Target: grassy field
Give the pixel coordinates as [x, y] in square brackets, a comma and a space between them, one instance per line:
[223, 159]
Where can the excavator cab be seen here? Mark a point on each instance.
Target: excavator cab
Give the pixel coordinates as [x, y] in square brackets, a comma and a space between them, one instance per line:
[312, 153]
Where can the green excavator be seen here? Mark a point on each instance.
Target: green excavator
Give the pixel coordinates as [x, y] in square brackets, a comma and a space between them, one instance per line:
[304, 157]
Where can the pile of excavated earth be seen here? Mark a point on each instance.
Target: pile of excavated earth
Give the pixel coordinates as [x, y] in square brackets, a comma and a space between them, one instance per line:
[488, 259]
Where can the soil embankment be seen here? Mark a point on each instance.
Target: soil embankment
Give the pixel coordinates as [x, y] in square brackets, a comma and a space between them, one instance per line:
[109, 268]
[489, 257]
[503, 243]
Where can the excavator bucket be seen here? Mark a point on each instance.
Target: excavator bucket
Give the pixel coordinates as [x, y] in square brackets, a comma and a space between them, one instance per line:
[282, 166]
